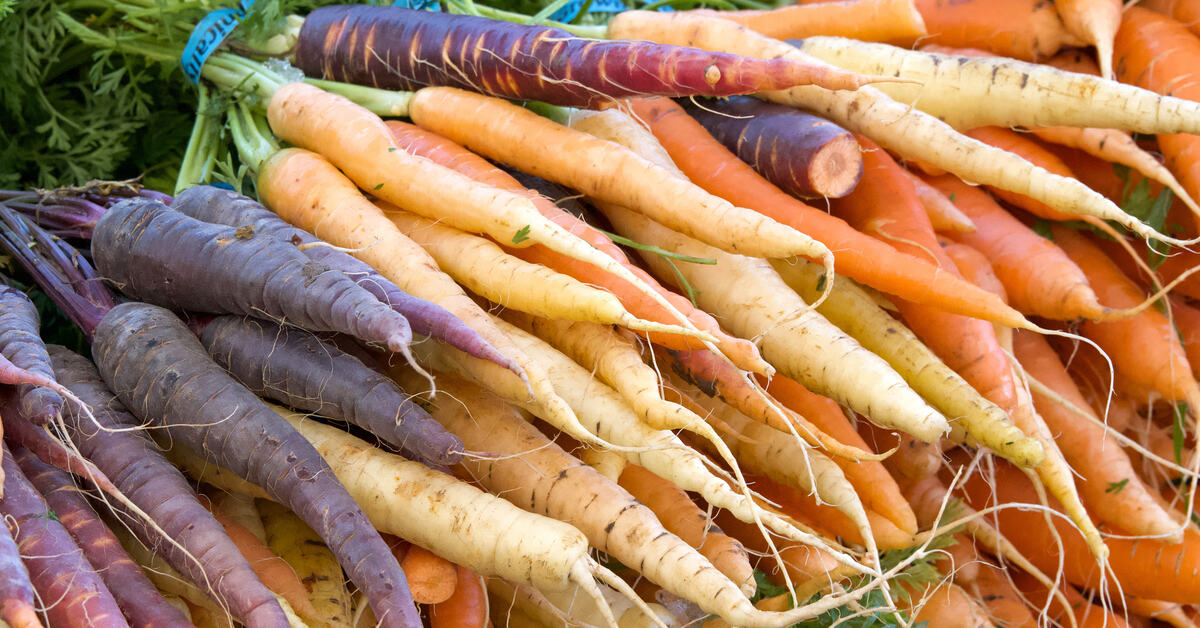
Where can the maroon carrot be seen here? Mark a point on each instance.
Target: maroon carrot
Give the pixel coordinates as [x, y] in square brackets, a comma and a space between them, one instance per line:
[396, 48]
[223, 207]
[806, 155]
[162, 373]
[162, 492]
[140, 601]
[20, 431]
[16, 591]
[68, 586]
[164, 257]
[300, 370]
[21, 343]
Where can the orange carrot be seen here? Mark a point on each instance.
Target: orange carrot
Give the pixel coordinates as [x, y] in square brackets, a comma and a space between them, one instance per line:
[1038, 276]
[802, 562]
[944, 604]
[1156, 52]
[431, 578]
[1024, 29]
[1013, 142]
[804, 508]
[943, 214]
[1107, 482]
[1086, 614]
[1005, 605]
[1128, 342]
[466, 608]
[1186, 12]
[1187, 321]
[896, 21]
[1093, 21]
[704, 160]
[269, 567]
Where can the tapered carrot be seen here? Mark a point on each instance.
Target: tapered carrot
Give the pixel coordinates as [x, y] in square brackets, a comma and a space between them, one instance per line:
[943, 215]
[1187, 320]
[1038, 276]
[505, 132]
[16, 591]
[680, 516]
[1127, 342]
[1005, 605]
[401, 49]
[945, 604]
[1093, 21]
[297, 543]
[802, 562]
[1186, 12]
[1025, 29]
[442, 151]
[1155, 52]
[705, 161]
[864, 20]
[1071, 607]
[269, 567]
[1100, 463]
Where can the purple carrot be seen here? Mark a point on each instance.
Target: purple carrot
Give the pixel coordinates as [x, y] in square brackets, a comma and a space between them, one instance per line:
[162, 373]
[140, 601]
[71, 591]
[21, 343]
[397, 48]
[16, 591]
[224, 207]
[161, 256]
[300, 370]
[21, 431]
[139, 469]
[803, 154]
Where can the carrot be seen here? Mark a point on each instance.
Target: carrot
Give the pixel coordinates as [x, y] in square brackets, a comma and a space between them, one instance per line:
[1006, 139]
[756, 304]
[139, 244]
[403, 49]
[943, 215]
[295, 367]
[802, 562]
[1145, 568]
[874, 484]
[1154, 51]
[703, 159]
[49, 448]
[945, 604]
[139, 601]
[22, 345]
[467, 608]
[684, 519]
[442, 151]
[302, 549]
[1005, 605]
[274, 572]
[550, 555]
[431, 578]
[482, 267]
[1024, 29]
[117, 445]
[212, 204]
[305, 116]
[1038, 276]
[865, 20]
[978, 419]
[57, 567]
[1074, 608]
[1187, 320]
[1093, 21]
[505, 132]
[1172, 614]
[1110, 488]
[801, 153]
[173, 383]
[1128, 341]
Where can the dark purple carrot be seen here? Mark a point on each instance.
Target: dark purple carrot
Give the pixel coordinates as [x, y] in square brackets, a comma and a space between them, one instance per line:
[161, 256]
[22, 344]
[162, 373]
[117, 445]
[224, 207]
[396, 48]
[68, 586]
[140, 601]
[806, 155]
[16, 591]
[300, 370]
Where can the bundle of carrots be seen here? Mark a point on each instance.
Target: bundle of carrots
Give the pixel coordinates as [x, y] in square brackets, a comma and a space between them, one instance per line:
[863, 312]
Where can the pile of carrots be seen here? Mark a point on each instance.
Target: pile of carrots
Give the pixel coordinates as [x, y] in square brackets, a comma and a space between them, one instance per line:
[862, 312]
